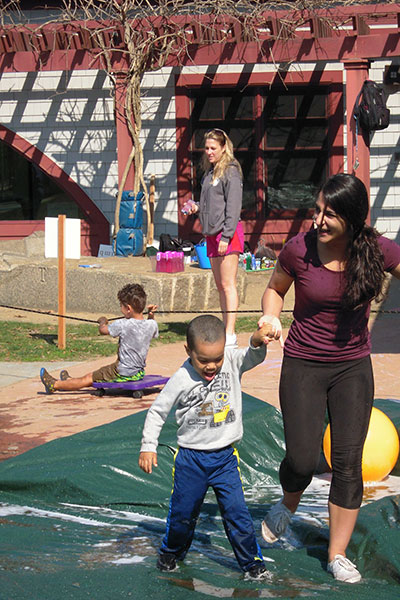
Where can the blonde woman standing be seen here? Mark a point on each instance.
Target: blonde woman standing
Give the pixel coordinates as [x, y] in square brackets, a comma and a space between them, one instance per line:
[219, 212]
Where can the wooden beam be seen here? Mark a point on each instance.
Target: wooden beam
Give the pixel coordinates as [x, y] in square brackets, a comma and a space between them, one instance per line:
[360, 25]
[358, 153]
[320, 28]
[374, 32]
[152, 191]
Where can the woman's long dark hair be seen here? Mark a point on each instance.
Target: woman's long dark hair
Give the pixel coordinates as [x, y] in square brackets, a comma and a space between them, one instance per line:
[364, 273]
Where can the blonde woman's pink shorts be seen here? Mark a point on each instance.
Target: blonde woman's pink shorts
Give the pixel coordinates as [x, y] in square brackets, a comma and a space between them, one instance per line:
[235, 245]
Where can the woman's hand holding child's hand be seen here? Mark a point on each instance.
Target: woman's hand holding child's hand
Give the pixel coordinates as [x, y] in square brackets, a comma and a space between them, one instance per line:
[275, 327]
[263, 335]
[147, 460]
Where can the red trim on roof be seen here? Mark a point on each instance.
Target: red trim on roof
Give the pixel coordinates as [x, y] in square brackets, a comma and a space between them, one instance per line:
[368, 31]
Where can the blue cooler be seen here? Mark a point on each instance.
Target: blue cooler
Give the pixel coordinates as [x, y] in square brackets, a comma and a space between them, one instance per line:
[131, 210]
[129, 242]
[201, 252]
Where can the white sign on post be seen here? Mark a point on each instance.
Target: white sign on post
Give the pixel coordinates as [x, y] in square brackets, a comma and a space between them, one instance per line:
[72, 238]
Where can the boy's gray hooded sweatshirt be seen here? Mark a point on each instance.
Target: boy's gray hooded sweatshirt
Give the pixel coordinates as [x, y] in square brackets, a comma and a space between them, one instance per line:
[208, 414]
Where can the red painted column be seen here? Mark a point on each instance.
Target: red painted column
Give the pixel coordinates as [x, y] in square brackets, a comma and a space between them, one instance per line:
[357, 145]
[124, 142]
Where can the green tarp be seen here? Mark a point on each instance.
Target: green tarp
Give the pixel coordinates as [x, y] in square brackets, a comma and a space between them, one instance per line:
[79, 519]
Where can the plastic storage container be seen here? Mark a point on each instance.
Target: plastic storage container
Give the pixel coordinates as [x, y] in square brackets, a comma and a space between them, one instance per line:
[167, 262]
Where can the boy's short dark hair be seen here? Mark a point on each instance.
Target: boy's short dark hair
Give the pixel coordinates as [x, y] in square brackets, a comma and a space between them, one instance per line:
[134, 295]
[205, 328]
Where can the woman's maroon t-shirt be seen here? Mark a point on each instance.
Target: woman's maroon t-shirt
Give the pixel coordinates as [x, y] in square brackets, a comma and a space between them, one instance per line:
[321, 330]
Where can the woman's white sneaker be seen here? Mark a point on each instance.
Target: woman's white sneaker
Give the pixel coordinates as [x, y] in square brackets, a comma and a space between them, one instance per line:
[343, 569]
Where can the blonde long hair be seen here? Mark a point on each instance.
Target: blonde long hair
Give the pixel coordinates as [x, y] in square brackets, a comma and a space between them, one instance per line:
[227, 157]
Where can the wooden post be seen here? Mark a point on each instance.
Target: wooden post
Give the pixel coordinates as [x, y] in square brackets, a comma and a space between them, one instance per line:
[152, 191]
[358, 153]
[61, 282]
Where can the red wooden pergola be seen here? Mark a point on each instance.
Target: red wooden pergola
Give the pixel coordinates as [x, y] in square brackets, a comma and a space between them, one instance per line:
[356, 35]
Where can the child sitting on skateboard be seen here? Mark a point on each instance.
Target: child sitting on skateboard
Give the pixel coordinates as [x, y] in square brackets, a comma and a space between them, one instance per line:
[135, 334]
[207, 394]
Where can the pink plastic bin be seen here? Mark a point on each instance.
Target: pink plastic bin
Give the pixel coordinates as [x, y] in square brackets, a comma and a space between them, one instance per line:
[167, 262]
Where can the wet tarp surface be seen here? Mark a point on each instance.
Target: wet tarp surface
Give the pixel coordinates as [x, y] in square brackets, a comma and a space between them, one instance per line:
[79, 519]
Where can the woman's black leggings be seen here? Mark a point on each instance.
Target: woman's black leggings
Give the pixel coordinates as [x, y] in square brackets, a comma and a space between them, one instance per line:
[307, 389]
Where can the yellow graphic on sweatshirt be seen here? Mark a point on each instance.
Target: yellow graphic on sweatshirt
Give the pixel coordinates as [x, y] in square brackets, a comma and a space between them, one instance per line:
[221, 407]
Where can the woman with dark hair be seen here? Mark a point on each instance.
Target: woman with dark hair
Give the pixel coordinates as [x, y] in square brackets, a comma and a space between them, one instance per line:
[219, 212]
[337, 268]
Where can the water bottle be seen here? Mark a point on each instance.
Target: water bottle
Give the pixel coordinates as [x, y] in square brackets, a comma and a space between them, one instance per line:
[187, 207]
[248, 261]
[181, 261]
[168, 262]
[159, 262]
[172, 258]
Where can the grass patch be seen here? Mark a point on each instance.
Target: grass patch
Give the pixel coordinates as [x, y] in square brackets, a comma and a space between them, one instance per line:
[28, 342]
[31, 342]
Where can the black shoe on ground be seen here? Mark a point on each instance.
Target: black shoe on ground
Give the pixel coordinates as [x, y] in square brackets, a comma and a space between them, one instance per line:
[166, 562]
[64, 375]
[258, 572]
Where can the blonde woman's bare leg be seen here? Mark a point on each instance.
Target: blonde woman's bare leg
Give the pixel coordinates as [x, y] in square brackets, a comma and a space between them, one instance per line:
[225, 270]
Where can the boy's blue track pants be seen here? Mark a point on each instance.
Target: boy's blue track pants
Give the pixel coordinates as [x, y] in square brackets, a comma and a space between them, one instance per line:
[195, 471]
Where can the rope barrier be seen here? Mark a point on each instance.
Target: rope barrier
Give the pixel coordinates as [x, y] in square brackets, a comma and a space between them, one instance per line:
[170, 312]
[50, 314]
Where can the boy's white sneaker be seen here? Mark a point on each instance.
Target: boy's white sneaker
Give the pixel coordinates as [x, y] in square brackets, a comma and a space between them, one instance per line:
[231, 340]
[275, 522]
[343, 569]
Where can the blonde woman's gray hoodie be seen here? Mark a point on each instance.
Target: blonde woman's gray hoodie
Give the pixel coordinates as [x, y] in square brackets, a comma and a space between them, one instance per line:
[221, 202]
[208, 414]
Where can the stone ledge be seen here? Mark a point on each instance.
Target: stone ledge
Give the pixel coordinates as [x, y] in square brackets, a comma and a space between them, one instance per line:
[32, 283]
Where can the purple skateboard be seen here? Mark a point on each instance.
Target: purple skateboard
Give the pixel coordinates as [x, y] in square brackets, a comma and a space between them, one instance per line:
[136, 387]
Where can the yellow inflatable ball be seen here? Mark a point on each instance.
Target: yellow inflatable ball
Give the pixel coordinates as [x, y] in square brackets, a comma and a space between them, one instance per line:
[381, 448]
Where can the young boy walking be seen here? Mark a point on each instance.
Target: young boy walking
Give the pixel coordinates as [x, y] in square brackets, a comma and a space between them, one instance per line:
[207, 394]
[135, 334]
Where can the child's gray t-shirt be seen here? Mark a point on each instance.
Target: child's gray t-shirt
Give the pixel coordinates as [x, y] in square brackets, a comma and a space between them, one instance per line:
[135, 336]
